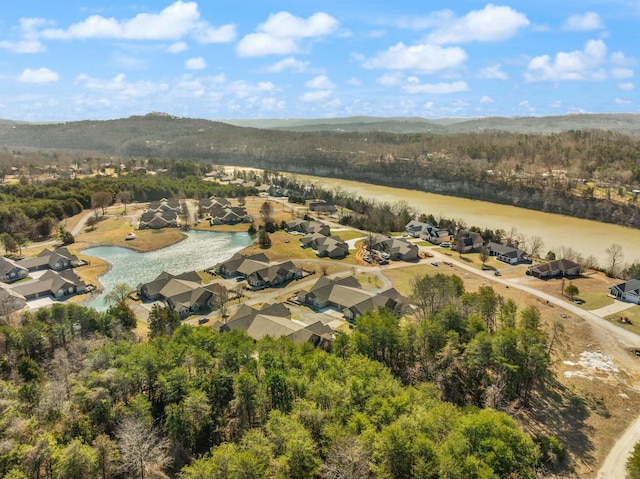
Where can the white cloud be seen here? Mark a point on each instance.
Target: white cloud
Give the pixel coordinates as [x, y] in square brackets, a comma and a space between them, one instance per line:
[322, 82]
[23, 46]
[583, 23]
[494, 73]
[282, 32]
[177, 47]
[577, 65]
[491, 24]
[41, 75]
[621, 101]
[423, 58]
[196, 63]
[316, 95]
[175, 21]
[390, 79]
[621, 73]
[289, 63]
[628, 86]
[123, 89]
[354, 81]
[486, 99]
[415, 87]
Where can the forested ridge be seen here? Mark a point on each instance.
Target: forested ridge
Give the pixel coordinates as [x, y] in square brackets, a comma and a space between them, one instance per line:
[560, 172]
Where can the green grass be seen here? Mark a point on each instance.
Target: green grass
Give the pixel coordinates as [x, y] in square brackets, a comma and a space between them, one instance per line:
[594, 300]
[349, 235]
[402, 277]
[369, 280]
[632, 314]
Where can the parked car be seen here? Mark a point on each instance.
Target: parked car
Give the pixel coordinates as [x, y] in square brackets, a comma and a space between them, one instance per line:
[434, 263]
[498, 273]
[203, 320]
[445, 244]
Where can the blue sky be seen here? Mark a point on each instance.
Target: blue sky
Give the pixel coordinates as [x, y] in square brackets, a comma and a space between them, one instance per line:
[220, 59]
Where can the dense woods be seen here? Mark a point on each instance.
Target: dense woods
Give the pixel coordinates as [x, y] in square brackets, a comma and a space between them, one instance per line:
[418, 397]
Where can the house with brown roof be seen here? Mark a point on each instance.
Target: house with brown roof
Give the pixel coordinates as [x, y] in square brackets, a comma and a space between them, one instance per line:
[274, 320]
[11, 271]
[467, 241]
[10, 300]
[557, 268]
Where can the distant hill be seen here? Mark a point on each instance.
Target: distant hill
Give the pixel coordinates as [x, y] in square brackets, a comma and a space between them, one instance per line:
[157, 134]
[628, 124]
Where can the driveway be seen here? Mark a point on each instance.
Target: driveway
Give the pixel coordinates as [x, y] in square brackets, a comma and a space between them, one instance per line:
[615, 308]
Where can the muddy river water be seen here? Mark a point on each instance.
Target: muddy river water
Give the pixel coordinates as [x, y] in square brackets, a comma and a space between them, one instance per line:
[584, 236]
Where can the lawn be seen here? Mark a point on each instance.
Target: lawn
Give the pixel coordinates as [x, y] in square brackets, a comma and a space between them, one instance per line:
[113, 230]
[632, 315]
[594, 300]
[369, 280]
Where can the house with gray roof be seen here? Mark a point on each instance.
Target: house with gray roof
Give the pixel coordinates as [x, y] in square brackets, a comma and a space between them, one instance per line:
[57, 260]
[57, 285]
[258, 271]
[507, 254]
[347, 296]
[184, 293]
[10, 300]
[628, 291]
[325, 246]
[397, 248]
[11, 271]
[274, 320]
[308, 227]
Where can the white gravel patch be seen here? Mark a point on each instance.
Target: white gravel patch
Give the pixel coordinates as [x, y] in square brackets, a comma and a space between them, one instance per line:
[592, 362]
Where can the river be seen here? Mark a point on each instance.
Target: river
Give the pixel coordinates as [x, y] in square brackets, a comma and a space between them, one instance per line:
[585, 236]
[200, 250]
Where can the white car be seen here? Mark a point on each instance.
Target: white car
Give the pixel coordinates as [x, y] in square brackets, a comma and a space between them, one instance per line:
[445, 244]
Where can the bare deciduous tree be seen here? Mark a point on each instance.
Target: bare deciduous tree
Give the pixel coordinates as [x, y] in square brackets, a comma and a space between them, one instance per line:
[145, 454]
[615, 254]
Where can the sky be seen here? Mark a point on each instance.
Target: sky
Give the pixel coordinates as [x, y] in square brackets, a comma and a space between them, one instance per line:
[223, 59]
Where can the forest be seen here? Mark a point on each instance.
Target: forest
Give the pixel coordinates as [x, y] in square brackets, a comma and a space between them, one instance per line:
[82, 397]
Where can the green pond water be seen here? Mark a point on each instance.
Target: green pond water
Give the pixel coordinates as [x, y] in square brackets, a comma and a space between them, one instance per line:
[200, 250]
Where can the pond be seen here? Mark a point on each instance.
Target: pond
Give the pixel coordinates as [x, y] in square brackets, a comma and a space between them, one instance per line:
[200, 250]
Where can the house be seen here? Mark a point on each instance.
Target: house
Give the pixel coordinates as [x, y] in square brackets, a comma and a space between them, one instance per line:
[308, 227]
[51, 283]
[183, 293]
[158, 219]
[11, 271]
[552, 269]
[10, 300]
[435, 235]
[151, 291]
[415, 228]
[258, 271]
[326, 246]
[467, 241]
[507, 254]
[397, 248]
[347, 296]
[274, 320]
[219, 211]
[628, 291]
[160, 214]
[322, 206]
[57, 260]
